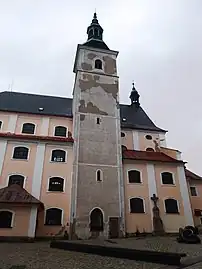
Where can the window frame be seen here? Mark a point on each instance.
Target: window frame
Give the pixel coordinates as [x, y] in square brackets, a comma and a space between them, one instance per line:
[1, 125]
[56, 191]
[147, 137]
[101, 175]
[149, 150]
[100, 61]
[134, 182]
[20, 146]
[178, 206]
[144, 205]
[62, 216]
[13, 217]
[61, 150]
[16, 174]
[191, 186]
[31, 123]
[66, 135]
[173, 176]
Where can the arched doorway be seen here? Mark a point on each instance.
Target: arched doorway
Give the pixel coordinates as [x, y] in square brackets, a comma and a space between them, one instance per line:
[96, 220]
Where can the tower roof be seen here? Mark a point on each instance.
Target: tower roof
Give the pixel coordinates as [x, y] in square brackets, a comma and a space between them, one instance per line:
[95, 33]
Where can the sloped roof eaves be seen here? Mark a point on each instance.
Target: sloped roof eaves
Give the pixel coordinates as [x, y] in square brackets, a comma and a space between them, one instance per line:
[149, 156]
[191, 175]
[17, 102]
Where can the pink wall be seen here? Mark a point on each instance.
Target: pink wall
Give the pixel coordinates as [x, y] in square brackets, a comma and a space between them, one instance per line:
[22, 167]
[172, 222]
[196, 201]
[20, 221]
[133, 220]
[56, 199]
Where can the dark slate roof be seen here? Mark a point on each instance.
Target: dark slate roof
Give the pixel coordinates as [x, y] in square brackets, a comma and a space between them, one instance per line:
[98, 44]
[30, 103]
[135, 118]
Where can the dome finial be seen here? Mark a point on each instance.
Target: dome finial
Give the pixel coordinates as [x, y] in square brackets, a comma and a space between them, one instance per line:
[134, 96]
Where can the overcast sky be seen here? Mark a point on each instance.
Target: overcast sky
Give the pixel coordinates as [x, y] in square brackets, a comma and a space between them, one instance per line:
[159, 44]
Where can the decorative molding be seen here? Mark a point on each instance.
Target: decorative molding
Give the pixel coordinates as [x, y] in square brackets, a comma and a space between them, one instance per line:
[152, 187]
[185, 196]
[45, 126]
[38, 171]
[136, 145]
[3, 146]
[32, 222]
[36, 138]
[12, 123]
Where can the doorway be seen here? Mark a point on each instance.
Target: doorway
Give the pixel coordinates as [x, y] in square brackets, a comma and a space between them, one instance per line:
[96, 220]
[114, 227]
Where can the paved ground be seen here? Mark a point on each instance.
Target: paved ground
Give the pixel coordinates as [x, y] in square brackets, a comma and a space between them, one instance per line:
[41, 256]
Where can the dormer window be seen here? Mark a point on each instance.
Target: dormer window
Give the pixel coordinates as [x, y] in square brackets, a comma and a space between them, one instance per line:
[98, 64]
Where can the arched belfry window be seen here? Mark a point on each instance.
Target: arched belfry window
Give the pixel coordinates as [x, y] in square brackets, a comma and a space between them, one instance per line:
[98, 175]
[98, 64]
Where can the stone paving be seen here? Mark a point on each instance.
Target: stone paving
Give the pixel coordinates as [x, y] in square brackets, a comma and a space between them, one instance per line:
[40, 256]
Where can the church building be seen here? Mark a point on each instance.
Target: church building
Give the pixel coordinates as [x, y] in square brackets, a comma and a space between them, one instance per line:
[88, 166]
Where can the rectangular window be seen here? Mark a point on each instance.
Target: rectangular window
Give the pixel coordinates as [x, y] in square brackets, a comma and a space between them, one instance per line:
[193, 191]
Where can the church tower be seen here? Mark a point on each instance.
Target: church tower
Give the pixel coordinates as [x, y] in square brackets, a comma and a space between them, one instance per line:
[97, 203]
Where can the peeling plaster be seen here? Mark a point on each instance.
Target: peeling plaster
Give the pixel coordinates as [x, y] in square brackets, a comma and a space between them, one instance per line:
[90, 108]
[110, 65]
[92, 82]
[86, 66]
[91, 56]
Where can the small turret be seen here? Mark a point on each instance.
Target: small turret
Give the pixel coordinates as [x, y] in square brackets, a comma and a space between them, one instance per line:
[134, 96]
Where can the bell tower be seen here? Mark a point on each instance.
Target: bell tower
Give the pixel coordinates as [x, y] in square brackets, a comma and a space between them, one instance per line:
[97, 202]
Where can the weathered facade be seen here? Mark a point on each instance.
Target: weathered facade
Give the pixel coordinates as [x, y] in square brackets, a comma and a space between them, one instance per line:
[87, 167]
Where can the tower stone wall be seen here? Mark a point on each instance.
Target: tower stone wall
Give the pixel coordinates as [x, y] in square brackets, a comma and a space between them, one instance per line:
[97, 142]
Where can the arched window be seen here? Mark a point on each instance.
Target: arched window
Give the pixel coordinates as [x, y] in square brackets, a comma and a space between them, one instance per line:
[134, 176]
[60, 131]
[90, 33]
[98, 175]
[20, 153]
[0, 124]
[167, 178]
[28, 128]
[6, 219]
[56, 184]
[16, 179]
[58, 155]
[96, 32]
[136, 205]
[149, 149]
[171, 206]
[98, 64]
[53, 216]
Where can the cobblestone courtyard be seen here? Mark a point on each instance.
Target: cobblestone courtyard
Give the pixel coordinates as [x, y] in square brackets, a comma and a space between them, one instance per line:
[40, 256]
